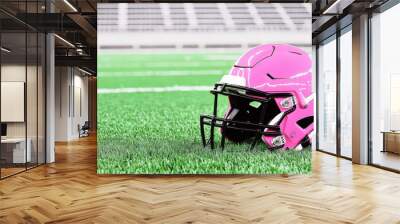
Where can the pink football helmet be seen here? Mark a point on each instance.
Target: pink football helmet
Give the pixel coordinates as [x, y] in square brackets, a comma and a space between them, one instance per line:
[270, 98]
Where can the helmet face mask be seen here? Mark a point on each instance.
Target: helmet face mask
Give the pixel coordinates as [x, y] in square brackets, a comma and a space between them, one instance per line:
[254, 111]
[247, 117]
[246, 110]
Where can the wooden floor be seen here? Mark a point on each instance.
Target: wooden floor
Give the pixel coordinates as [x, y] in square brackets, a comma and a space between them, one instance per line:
[69, 191]
[5, 172]
[386, 159]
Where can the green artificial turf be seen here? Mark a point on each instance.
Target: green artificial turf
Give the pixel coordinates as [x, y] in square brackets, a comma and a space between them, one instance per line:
[155, 70]
[158, 133]
[153, 81]
[133, 63]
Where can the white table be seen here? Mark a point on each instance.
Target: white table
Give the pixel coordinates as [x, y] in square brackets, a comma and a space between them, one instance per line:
[19, 153]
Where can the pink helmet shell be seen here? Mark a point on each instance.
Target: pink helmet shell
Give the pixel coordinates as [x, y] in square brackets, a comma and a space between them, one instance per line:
[281, 68]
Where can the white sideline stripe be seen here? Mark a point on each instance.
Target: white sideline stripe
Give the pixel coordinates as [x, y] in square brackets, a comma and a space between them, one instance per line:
[154, 89]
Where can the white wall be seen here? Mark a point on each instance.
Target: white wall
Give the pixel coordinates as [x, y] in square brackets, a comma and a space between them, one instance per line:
[62, 81]
[12, 73]
[79, 117]
[33, 126]
[70, 83]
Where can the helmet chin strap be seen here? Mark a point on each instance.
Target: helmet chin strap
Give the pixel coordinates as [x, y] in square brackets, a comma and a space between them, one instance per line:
[276, 119]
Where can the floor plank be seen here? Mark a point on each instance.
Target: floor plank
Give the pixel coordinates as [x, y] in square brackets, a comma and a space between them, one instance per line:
[70, 191]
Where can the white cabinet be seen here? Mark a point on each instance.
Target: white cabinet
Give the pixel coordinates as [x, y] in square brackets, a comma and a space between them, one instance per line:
[18, 149]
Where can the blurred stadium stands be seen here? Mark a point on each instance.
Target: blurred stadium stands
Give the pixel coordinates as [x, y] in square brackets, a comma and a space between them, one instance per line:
[144, 27]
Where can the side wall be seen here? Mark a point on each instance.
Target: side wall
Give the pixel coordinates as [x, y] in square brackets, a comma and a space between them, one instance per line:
[71, 102]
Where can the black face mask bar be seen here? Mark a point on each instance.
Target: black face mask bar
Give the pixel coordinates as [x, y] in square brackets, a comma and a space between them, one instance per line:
[249, 127]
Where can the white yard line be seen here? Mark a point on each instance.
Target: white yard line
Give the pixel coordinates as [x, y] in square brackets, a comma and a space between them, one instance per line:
[161, 73]
[154, 89]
